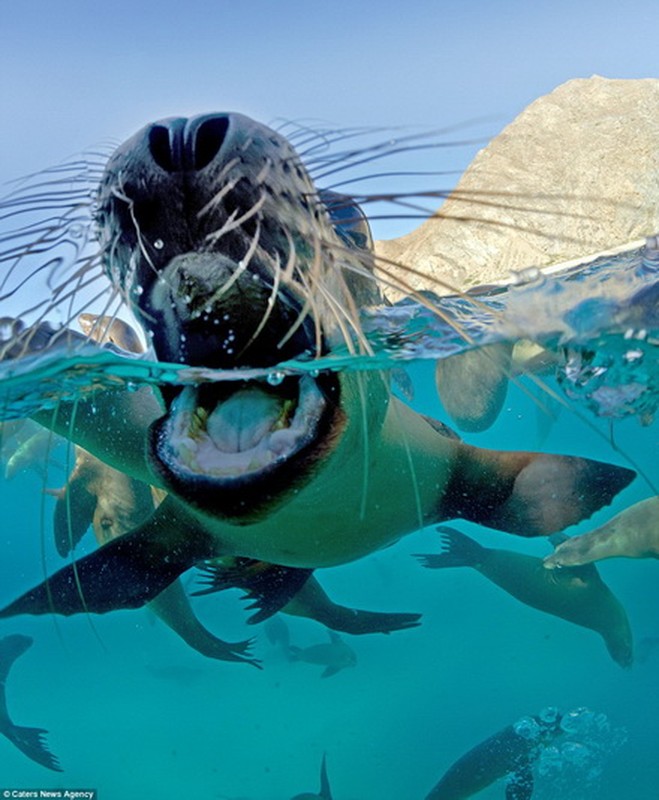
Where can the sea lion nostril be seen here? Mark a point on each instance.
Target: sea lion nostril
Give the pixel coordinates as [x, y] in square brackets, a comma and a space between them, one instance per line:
[186, 145]
[207, 140]
[159, 147]
[166, 144]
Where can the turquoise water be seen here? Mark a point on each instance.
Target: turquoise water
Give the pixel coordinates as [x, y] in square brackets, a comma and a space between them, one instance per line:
[132, 712]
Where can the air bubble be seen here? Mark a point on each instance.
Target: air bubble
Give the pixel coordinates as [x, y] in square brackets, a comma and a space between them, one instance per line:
[275, 378]
[158, 244]
[548, 715]
[527, 728]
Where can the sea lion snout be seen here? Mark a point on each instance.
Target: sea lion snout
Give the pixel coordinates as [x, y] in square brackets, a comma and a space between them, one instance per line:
[183, 145]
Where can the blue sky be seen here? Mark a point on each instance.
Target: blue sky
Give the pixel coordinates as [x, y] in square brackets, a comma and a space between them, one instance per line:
[75, 73]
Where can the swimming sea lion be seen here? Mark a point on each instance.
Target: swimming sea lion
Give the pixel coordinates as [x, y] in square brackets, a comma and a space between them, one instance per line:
[325, 792]
[113, 503]
[232, 259]
[508, 752]
[576, 594]
[30, 741]
[334, 656]
[633, 533]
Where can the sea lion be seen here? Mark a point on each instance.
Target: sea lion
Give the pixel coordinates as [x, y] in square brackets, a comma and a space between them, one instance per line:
[334, 656]
[231, 259]
[633, 533]
[28, 447]
[325, 792]
[113, 503]
[30, 741]
[511, 751]
[576, 594]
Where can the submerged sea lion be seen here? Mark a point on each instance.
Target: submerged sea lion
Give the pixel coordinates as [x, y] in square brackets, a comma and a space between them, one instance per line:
[577, 594]
[634, 533]
[510, 752]
[30, 741]
[113, 504]
[232, 259]
[325, 792]
[334, 656]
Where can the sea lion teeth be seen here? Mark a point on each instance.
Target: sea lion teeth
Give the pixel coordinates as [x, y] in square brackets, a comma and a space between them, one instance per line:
[247, 431]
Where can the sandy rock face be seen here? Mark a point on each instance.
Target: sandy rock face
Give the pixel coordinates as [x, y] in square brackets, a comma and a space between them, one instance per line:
[577, 173]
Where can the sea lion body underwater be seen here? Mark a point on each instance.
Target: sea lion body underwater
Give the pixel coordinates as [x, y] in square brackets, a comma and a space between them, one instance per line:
[633, 533]
[507, 752]
[30, 741]
[577, 594]
[231, 259]
[113, 503]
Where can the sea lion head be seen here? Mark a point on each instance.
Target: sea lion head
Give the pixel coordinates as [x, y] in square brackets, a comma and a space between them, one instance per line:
[231, 258]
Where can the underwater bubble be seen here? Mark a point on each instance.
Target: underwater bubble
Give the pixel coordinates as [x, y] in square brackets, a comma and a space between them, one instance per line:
[158, 244]
[577, 720]
[548, 715]
[275, 378]
[550, 760]
[576, 753]
[527, 728]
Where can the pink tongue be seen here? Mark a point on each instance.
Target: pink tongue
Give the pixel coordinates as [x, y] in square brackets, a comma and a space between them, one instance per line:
[242, 421]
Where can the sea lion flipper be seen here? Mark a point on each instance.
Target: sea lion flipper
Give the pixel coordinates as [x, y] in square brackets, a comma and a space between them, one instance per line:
[325, 790]
[11, 648]
[481, 375]
[32, 742]
[74, 512]
[329, 671]
[530, 494]
[125, 573]
[357, 621]
[311, 601]
[269, 586]
[459, 550]
[520, 785]
[173, 608]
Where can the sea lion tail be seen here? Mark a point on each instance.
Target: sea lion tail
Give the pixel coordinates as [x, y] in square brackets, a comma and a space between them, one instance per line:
[529, 494]
[32, 742]
[458, 550]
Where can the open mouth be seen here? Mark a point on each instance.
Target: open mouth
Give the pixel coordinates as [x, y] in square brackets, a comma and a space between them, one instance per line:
[226, 443]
